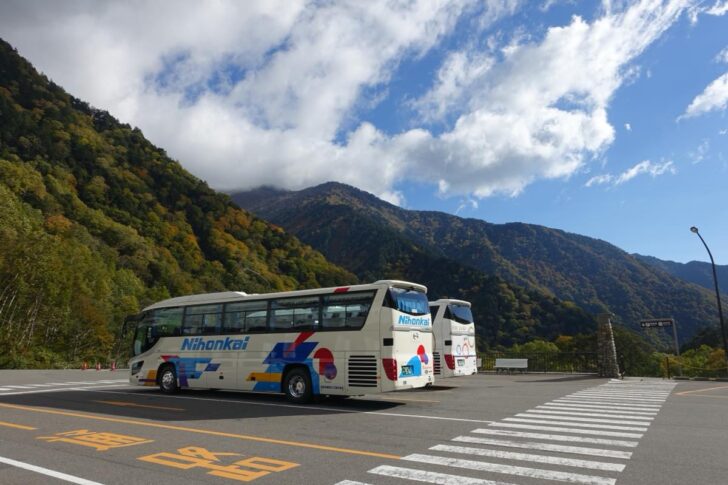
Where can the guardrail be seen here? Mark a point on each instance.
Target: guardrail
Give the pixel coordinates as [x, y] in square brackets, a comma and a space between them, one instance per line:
[566, 362]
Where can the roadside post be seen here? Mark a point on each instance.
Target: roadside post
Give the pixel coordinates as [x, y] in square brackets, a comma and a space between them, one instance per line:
[664, 323]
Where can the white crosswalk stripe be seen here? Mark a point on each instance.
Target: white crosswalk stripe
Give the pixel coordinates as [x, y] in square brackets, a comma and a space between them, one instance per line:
[608, 403]
[534, 445]
[537, 473]
[554, 440]
[430, 477]
[556, 437]
[594, 409]
[540, 410]
[578, 425]
[536, 415]
[511, 455]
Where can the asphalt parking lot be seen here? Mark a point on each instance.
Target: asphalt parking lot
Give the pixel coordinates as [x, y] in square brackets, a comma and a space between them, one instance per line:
[91, 427]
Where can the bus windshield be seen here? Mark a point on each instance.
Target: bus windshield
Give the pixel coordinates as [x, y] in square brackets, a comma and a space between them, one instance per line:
[460, 314]
[409, 301]
[165, 322]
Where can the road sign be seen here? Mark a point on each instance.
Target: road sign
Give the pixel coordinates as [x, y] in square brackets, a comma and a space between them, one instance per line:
[657, 322]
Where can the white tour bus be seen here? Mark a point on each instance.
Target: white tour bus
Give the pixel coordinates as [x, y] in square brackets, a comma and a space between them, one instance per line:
[453, 331]
[350, 340]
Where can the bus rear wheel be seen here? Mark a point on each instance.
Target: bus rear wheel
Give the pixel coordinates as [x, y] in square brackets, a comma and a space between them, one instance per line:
[168, 380]
[297, 385]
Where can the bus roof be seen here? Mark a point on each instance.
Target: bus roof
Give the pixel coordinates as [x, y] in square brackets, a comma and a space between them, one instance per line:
[227, 296]
[449, 301]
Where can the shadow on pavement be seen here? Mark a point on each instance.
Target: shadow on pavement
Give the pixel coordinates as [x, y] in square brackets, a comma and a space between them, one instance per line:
[191, 405]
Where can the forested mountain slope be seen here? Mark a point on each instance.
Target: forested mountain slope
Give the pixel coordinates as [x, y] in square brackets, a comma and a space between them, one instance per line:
[96, 222]
[594, 274]
[698, 272]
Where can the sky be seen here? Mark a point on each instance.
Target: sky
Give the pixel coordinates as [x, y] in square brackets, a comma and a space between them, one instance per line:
[606, 119]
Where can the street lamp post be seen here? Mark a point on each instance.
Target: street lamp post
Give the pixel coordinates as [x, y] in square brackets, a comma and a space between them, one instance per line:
[717, 295]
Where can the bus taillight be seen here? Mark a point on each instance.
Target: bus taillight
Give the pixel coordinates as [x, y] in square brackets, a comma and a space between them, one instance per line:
[450, 361]
[390, 368]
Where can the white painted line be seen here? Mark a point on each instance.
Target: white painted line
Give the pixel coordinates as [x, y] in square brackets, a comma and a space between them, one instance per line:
[295, 406]
[18, 387]
[559, 429]
[549, 460]
[5, 389]
[534, 445]
[592, 414]
[510, 470]
[419, 416]
[646, 407]
[350, 482]
[578, 425]
[430, 477]
[534, 414]
[595, 409]
[46, 471]
[42, 385]
[555, 437]
[65, 389]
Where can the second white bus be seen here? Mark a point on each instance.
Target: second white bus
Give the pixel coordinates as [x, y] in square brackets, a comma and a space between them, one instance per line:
[349, 340]
[453, 331]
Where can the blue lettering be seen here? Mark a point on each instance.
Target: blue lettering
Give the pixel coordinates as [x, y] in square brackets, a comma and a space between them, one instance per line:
[199, 343]
[415, 321]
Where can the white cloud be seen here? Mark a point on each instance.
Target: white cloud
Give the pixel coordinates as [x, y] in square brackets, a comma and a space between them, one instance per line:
[533, 108]
[646, 167]
[713, 98]
[628, 127]
[722, 56]
[718, 9]
[700, 152]
[600, 180]
[643, 167]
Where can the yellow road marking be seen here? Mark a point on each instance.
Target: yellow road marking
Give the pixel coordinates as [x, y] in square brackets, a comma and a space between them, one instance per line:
[18, 426]
[135, 405]
[702, 390]
[210, 432]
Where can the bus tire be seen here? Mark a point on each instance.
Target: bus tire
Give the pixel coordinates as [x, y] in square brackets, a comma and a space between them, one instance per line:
[168, 380]
[297, 385]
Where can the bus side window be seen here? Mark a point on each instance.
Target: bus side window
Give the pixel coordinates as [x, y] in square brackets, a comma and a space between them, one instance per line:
[248, 316]
[294, 314]
[202, 320]
[346, 310]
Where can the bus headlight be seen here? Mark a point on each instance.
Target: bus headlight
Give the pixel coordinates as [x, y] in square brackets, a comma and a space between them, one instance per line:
[136, 367]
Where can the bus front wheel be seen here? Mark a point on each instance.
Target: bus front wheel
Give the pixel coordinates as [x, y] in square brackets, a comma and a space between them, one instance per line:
[297, 385]
[168, 380]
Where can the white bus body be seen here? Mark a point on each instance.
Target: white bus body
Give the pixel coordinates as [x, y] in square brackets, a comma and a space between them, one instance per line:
[350, 340]
[453, 331]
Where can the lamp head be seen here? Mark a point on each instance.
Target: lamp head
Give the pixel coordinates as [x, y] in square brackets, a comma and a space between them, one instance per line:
[694, 229]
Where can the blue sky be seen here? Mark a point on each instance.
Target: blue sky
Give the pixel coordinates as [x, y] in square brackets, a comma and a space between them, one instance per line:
[606, 119]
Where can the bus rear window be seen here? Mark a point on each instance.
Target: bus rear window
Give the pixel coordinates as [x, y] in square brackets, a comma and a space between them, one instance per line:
[407, 301]
[460, 314]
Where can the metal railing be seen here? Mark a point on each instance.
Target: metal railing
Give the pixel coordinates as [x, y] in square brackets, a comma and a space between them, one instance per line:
[566, 362]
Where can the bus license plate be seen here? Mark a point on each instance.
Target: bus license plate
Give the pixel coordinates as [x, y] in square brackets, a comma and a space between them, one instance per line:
[407, 370]
[461, 362]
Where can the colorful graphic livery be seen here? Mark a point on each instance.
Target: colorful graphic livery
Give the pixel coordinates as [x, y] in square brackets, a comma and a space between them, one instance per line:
[347, 341]
[453, 331]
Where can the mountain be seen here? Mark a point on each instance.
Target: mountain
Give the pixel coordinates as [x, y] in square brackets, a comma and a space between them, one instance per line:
[371, 238]
[698, 272]
[371, 248]
[96, 222]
